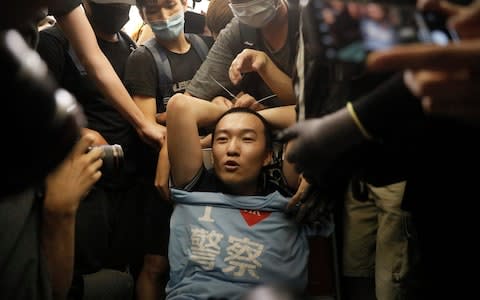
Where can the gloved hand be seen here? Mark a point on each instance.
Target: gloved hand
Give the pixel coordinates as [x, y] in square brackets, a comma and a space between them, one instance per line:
[319, 143]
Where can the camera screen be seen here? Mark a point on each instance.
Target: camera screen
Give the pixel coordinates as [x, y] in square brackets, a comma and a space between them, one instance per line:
[348, 31]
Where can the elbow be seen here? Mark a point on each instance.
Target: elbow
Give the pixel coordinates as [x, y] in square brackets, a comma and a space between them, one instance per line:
[177, 105]
[177, 102]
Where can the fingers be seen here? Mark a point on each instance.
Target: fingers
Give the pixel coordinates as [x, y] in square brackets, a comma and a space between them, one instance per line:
[453, 56]
[234, 74]
[237, 68]
[302, 191]
[84, 143]
[98, 138]
[287, 134]
[424, 82]
[246, 61]
[161, 118]
[222, 102]
[162, 130]
[151, 134]
[452, 85]
[245, 100]
[94, 170]
[466, 108]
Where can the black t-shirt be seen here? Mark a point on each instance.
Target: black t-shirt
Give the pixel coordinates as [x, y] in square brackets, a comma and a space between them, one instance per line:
[141, 79]
[141, 72]
[23, 273]
[101, 115]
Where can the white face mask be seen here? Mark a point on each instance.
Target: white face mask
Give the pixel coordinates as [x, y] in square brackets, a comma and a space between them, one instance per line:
[255, 13]
[168, 29]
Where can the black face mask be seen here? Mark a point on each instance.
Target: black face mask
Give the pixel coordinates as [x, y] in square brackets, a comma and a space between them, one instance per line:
[108, 18]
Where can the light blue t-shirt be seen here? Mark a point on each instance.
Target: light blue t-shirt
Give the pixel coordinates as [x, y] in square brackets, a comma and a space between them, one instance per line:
[223, 245]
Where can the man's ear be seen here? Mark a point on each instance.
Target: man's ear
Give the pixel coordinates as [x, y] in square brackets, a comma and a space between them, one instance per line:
[268, 158]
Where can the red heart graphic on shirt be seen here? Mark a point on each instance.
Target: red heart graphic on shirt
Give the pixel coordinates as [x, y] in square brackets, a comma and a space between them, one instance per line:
[253, 217]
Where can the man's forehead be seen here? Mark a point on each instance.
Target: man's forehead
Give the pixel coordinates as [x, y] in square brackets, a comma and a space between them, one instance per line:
[240, 121]
[155, 2]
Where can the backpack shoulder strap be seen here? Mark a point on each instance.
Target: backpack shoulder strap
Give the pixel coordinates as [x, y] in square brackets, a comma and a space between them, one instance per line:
[293, 21]
[164, 71]
[198, 44]
[248, 36]
[125, 37]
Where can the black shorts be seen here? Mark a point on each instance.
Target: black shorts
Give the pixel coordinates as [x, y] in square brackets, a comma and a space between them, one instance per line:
[157, 215]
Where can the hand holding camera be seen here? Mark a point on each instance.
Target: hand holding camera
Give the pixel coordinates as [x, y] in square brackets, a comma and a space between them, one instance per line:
[67, 184]
[113, 156]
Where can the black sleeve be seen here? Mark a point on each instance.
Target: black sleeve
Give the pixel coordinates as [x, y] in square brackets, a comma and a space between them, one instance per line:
[63, 7]
[141, 73]
[51, 49]
[390, 107]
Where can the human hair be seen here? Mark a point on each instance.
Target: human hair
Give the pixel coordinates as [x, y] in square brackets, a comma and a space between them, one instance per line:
[267, 129]
[143, 3]
[218, 15]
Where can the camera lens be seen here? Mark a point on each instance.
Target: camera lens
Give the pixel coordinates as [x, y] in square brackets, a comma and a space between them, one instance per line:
[112, 157]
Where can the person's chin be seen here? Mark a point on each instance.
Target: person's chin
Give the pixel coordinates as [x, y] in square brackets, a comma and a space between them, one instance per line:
[231, 179]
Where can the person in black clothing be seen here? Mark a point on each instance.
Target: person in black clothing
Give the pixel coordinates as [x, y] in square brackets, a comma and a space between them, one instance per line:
[114, 206]
[439, 154]
[151, 86]
[47, 164]
[71, 18]
[39, 148]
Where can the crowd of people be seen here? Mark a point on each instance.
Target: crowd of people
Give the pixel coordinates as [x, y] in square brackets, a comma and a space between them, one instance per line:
[381, 154]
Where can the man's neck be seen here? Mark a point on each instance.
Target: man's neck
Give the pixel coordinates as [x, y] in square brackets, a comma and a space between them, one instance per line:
[108, 37]
[243, 190]
[275, 33]
[179, 45]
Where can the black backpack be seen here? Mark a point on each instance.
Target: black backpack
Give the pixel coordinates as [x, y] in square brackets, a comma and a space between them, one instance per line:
[164, 71]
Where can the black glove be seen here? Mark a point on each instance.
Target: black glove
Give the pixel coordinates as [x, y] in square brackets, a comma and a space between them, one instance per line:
[318, 143]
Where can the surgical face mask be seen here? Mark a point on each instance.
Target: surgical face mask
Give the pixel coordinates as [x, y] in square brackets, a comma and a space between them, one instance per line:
[168, 29]
[108, 18]
[255, 13]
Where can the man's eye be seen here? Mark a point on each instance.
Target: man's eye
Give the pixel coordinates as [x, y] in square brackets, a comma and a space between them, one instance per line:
[171, 4]
[248, 139]
[221, 139]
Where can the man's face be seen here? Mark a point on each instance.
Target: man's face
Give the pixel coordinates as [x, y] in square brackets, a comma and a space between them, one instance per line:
[239, 151]
[162, 9]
